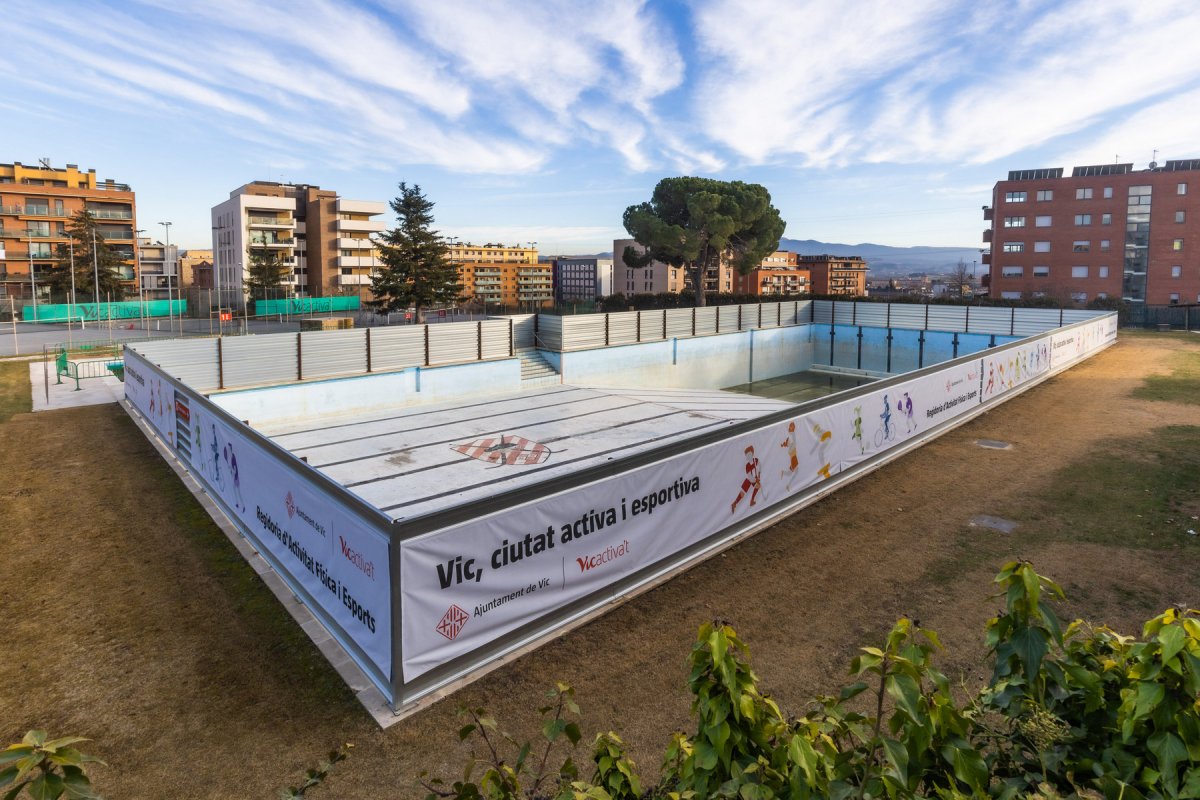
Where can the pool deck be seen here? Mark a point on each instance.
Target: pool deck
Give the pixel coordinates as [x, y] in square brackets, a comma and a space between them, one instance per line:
[414, 461]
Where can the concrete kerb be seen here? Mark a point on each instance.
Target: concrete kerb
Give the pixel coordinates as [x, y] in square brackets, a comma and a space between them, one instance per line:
[364, 690]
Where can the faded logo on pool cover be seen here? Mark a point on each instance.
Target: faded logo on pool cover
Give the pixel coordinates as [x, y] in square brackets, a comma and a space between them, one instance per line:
[504, 449]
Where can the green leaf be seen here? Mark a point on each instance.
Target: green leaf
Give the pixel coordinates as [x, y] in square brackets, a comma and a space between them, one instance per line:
[572, 732]
[1147, 698]
[907, 694]
[1172, 639]
[897, 755]
[1168, 751]
[46, 787]
[465, 731]
[967, 764]
[1030, 646]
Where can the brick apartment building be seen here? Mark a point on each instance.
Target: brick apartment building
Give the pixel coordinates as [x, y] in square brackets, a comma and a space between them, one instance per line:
[36, 207]
[779, 273]
[1106, 231]
[841, 275]
[511, 277]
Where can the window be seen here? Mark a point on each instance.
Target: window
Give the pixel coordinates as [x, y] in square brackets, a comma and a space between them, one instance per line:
[1107, 192]
[1079, 272]
[1174, 298]
[1179, 216]
[1177, 244]
[1041, 247]
[1081, 247]
[1041, 272]
[1039, 294]
[1014, 197]
[1106, 219]
[1042, 222]
[1079, 297]
[1083, 194]
[1014, 247]
[1105, 245]
[1181, 188]
[40, 250]
[1014, 222]
[1083, 219]
[1045, 194]
[1010, 295]
[1012, 272]
[1102, 272]
[1177, 271]
[1101, 295]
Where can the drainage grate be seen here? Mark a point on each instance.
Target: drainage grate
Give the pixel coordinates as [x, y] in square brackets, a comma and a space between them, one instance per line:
[992, 444]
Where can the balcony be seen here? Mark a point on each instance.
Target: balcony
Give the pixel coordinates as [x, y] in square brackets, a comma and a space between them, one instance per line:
[360, 225]
[354, 280]
[354, 244]
[359, 262]
[101, 214]
[344, 206]
[271, 241]
[487, 281]
[988, 213]
[255, 221]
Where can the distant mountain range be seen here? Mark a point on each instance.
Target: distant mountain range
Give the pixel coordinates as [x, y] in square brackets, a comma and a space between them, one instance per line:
[884, 260]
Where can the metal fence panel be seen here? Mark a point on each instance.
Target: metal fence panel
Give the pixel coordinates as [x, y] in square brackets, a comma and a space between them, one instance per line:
[706, 320]
[873, 314]
[397, 348]
[550, 332]
[652, 325]
[581, 332]
[324, 354]
[456, 341]
[495, 337]
[991, 320]
[843, 312]
[822, 312]
[947, 318]
[523, 328]
[679, 322]
[193, 361]
[254, 360]
[622, 327]
[1070, 315]
[1029, 321]
[902, 315]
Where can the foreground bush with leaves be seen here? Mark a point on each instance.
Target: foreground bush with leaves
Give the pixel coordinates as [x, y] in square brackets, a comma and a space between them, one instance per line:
[1080, 711]
[46, 768]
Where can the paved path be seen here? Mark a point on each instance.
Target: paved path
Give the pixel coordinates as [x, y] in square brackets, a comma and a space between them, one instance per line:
[92, 391]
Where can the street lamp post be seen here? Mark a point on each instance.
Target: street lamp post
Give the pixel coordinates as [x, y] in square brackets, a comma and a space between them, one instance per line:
[166, 256]
[32, 275]
[137, 267]
[216, 268]
[96, 276]
[71, 313]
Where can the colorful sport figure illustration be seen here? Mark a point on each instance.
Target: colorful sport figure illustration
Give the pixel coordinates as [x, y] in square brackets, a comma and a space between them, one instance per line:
[886, 431]
[753, 480]
[216, 460]
[991, 384]
[231, 462]
[857, 434]
[905, 405]
[821, 449]
[793, 460]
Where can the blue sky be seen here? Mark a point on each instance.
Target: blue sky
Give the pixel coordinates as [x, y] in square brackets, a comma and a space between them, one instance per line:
[868, 121]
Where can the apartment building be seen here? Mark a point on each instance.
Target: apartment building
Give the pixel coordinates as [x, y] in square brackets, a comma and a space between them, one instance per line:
[195, 268]
[582, 279]
[158, 270]
[1105, 231]
[323, 238]
[778, 273]
[508, 276]
[837, 275]
[656, 278]
[36, 206]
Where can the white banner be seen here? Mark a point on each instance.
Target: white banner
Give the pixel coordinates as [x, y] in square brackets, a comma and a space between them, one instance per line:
[338, 559]
[465, 586]
[1069, 346]
[1008, 369]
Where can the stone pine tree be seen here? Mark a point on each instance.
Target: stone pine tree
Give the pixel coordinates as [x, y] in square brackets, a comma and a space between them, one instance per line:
[417, 271]
[106, 264]
[695, 222]
[267, 271]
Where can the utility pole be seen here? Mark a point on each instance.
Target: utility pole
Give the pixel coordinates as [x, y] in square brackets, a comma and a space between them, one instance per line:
[71, 311]
[137, 266]
[166, 257]
[96, 276]
[32, 275]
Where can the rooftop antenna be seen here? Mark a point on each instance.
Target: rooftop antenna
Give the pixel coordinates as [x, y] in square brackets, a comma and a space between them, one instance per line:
[1154, 159]
[45, 162]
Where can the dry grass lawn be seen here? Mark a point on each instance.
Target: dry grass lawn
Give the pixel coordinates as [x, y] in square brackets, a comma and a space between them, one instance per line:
[128, 618]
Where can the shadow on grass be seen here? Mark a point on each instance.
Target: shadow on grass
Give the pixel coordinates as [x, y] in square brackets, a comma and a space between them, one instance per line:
[15, 393]
[1181, 386]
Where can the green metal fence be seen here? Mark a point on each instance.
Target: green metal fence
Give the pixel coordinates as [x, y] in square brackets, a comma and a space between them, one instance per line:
[63, 312]
[305, 305]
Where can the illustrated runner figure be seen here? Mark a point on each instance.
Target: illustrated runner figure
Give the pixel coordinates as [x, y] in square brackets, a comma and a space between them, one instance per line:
[991, 384]
[886, 416]
[231, 460]
[857, 435]
[216, 459]
[821, 448]
[905, 404]
[753, 480]
[793, 459]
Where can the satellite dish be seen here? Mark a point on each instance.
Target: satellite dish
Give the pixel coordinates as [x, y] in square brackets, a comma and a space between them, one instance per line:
[1153, 165]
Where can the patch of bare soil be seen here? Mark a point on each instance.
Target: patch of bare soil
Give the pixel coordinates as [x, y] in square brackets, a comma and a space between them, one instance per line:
[129, 619]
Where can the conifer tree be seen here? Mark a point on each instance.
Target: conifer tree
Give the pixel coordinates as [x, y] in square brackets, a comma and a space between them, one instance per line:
[266, 271]
[417, 271]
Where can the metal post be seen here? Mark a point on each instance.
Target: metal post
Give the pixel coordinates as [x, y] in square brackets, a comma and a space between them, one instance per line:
[1012, 325]
[32, 276]
[860, 338]
[12, 312]
[220, 363]
[166, 256]
[889, 341]
[638, 334]
[368, 349]
[95, 275]
[427, 344]
[479, 340]
[299, 357]
[606, 329]
[693, 320]
[71, 312]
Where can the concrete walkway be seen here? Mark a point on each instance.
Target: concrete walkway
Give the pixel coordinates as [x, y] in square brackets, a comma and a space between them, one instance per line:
[92, 391]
